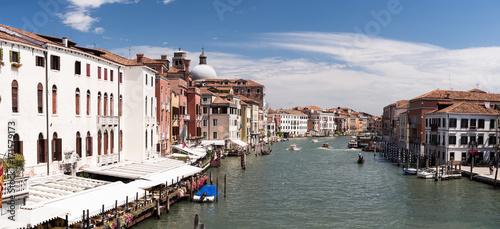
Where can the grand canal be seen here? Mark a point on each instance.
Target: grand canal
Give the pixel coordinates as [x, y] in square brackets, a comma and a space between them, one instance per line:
[316, 187]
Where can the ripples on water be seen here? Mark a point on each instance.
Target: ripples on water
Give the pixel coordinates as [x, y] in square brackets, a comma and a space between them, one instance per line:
[316, 187]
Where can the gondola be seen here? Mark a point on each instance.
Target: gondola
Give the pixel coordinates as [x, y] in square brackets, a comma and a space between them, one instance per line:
[361, 160]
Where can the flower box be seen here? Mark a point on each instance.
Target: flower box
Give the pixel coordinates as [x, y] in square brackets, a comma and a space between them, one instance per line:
[16, 65]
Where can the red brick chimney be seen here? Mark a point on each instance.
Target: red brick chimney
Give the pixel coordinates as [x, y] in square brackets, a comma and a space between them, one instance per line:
[139, 57]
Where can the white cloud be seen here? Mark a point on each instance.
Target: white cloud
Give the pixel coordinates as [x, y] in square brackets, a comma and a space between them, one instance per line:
[167, 1]
[99, 30]
[78, 13]
[365, 76]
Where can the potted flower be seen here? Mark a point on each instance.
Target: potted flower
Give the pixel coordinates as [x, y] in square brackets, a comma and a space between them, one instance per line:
[16, 65]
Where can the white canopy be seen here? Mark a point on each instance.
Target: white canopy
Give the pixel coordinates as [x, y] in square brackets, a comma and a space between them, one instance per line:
[239, 142]
[166, 176]
[34, 217]
[93, 200]
[212, 142]
[190, 151]
[9, 224]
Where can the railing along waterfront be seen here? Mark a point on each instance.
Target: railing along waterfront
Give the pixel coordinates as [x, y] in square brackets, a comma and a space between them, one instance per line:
[20, 187]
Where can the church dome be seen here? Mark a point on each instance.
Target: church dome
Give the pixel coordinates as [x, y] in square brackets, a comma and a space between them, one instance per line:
[203, 71]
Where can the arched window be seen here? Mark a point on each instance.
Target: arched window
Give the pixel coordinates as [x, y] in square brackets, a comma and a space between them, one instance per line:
[99, 103]
[17, 145]
[111, 105]
[56, 147]
[54, 99]
[78, 144]
[15, 89]
[88, 144]
[99, 142]
[121, 140]
[41, 149]
[105, 104]
[111, 142]
[120, 106]
[105, 142]
[39, 95]
[88, 102]
[77, 102]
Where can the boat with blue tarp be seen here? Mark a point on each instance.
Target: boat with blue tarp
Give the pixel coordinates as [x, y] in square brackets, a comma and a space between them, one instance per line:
[207, 193]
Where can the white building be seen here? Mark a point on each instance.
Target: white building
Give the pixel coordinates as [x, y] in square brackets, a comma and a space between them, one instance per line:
[292, 122]
[323, 123]
[450, 133]
[64, 97]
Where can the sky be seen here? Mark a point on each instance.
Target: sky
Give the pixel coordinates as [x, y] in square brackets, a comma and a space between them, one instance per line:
[358, 54]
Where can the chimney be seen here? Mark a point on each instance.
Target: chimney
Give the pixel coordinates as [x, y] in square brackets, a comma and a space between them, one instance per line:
[187, 62]
[65, 41]
[139, 57]
[163, 57]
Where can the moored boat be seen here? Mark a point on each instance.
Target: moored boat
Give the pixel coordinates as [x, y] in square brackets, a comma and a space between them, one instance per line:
[326, 145]
[410, 171]
[207, 193]
[426, 174]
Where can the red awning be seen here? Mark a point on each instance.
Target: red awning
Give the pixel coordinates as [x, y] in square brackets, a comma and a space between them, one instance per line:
[474, 152]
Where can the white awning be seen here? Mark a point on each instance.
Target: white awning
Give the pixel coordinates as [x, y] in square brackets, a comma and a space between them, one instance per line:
[212, 142]
[35, 216]
[190, 151]
[166, 176]
[9, 224]
[183, 155]
[93, 200]
[239, 142]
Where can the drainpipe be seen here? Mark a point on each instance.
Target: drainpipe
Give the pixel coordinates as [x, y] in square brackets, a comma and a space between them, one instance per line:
[119, 117]
[47, 109]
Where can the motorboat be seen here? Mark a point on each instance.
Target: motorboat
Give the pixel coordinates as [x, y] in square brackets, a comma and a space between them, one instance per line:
[207, 193]
[427, 173]
[293, 147]
[314, 140]
[352, 144]
[410, 171]
[326, 145]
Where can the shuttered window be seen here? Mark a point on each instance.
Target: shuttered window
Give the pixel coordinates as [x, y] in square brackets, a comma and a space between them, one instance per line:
[1, 54]
[121, 77]
[105, 104]
[54, 99]
[40, 61]
[88, 102]
[15, 56]
[98, 72]
[15, 89]
[120, 106]
[111, 75]
[78, 68]
[77, 101]
[40, 98]
[111, 105]
[105, 74]
[99, 104]
[55, 62]
[88, 70]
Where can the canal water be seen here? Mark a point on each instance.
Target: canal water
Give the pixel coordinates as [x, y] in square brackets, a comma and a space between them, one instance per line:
[315, 187]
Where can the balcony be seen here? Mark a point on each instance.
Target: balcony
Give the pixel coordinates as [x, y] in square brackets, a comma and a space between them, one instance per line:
[187, 117]
[106, 159]
[20, 187]
[107, 120]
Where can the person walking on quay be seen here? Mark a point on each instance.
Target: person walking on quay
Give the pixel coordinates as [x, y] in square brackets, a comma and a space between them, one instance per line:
[491, 169]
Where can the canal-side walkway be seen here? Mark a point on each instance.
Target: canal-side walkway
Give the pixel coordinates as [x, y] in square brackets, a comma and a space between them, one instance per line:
[481, 174]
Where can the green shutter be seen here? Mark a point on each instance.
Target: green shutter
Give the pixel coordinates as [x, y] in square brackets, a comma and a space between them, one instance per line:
[18, 57]
[10, 52]
[1, 54]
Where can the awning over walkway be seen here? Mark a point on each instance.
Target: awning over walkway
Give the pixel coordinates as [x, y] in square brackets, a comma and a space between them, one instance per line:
[35, 216]
[93, 200]
[212, 142]
[9, 224]
[239, 142]
[190, 151]
[166, 176]
[136, 170]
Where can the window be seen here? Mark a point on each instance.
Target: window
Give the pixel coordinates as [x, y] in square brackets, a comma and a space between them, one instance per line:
[464, 123]
[151, 81]
[463, 140]
[55, 62]
[78, 144]
[88, 145]
[214, 135]
[214, 122]
[88, 70]
[480, 139]
[426, 122]
[40, 61]
[453, 123]
[15, 90]
[1, 53]
[98, 72]
[464, 156]
[205, 99]
[444, 122]
[121, 140]
[105, 74]
[99, 104]
[105, 104]
[205, 122]
[248, 91]
[111, 142]
[492, 140]
[111, 75]
[205, 110]
[39, 95]
[15, 56]
[105, 142]
[146, 107]
[204, 134]
[41, 149]
[452, 156]
[88, 102]
[258, 90]
[472, 139]
[480, 124]
[56, 148]
[54, 99]
[147, 79]
[120, 106]
[121, 77]
[452, 140]
[77, 101]
[78, 68]
[473, 123]
[492, 123]
[111, 105]
[99, 142]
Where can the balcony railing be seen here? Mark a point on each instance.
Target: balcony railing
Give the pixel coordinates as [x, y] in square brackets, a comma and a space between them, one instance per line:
[20, 187]
[107, 159]
[107, 120]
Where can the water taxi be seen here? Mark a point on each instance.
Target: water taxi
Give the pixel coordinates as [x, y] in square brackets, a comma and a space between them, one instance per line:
[293, 147]
[352, 144]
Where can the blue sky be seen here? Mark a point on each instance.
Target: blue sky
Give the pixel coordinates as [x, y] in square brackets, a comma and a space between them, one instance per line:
[358, 54]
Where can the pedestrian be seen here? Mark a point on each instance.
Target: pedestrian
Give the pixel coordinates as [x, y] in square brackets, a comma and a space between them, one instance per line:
[491, 169]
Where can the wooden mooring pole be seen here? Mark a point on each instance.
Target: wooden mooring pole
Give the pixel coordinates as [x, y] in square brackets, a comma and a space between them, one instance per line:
[217, 188]
[196, 221]
[225, 185]
[496, 172]
[437, 169]
[471, 167]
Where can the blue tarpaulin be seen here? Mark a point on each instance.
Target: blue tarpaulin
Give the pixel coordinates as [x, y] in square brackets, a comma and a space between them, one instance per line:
[210, 189]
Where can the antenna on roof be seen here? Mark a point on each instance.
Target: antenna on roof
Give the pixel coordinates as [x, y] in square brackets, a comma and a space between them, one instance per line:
[53, 28]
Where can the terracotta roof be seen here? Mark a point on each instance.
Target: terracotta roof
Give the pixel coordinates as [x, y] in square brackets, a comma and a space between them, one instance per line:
[472, 95]
[244, 98]
[146, 60]
[29, 38]
[401, 104]
[233, 82]
[314, 108]
[174, 70]
[118, 59]
[270, 111]
[467, 108]
[220, 100]
[292, 112]
[205, 91]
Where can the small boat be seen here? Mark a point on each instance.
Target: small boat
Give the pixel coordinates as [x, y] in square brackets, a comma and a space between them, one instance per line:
[207, 193]
[361, 160]
[266, 152]
[314, 140]
[326, 145]
[426, 174]
[353, 144]
[410, 171]
[293, 147]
